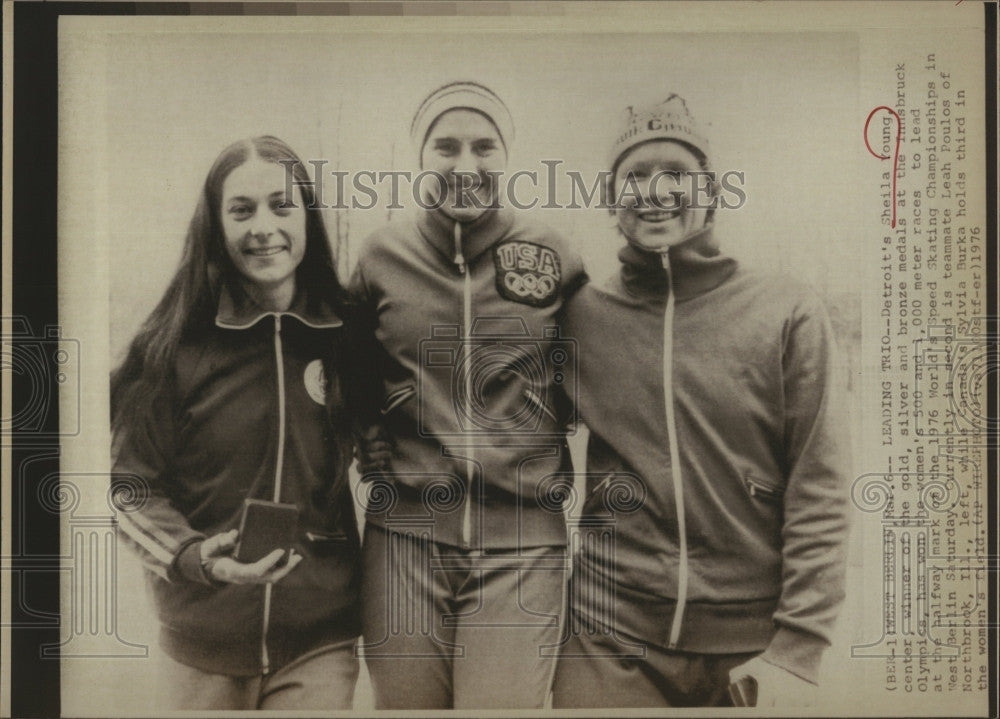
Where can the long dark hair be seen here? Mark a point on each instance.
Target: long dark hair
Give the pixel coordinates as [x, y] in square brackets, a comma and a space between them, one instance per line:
[188, 307]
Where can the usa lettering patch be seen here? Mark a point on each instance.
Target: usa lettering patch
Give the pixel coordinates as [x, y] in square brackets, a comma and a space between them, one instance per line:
[527, 273]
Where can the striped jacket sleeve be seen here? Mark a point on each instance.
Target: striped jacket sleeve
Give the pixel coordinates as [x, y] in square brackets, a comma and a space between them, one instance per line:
[149, 522]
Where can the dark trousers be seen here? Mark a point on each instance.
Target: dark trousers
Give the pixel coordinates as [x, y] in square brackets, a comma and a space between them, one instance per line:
[446, 628]
[598, 668]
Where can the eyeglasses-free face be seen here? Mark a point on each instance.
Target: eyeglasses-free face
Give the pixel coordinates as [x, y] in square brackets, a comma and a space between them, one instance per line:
[656, 183]
[265, 238]
[463, 147]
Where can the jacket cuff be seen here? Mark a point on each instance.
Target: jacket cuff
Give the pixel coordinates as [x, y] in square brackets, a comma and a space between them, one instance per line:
[796, 652]
[187, 565]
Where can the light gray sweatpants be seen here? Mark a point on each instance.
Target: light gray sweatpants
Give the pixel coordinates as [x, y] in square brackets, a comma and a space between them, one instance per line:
[446, 628]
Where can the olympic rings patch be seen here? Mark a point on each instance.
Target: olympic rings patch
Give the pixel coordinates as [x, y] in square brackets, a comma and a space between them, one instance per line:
[527, 273]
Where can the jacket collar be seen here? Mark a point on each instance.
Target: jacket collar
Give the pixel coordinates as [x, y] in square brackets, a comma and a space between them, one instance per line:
[477, 236]
[239, 312]
[696, 266]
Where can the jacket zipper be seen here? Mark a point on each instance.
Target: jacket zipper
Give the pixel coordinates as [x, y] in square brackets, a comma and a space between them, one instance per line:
[280, 366]
[466, 349]
[675, 466]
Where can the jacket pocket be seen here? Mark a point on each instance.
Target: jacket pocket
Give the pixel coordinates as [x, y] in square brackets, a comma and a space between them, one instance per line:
[322, 544]
[314, 537]
[601, 485]
[397, 398]
[540, 404]
[763, 492]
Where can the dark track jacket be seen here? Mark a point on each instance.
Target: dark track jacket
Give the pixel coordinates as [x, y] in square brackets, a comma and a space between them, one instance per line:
[717, 458]
[244, 411]
[468, 364]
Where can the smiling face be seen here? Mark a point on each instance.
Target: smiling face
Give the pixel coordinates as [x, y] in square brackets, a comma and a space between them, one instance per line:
[463, 146]
[265, 240]
[656, 189]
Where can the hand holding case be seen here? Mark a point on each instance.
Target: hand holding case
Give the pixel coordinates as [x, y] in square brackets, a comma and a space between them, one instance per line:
[264, 527]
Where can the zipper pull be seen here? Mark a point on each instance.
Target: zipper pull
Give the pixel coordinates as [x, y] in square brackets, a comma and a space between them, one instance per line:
[277, 323]
[604, 482]
[459, 257]
[535, 399]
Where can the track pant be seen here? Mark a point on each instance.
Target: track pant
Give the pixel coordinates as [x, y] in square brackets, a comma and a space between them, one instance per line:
[322, 679]
[599, 669]
[447, 628]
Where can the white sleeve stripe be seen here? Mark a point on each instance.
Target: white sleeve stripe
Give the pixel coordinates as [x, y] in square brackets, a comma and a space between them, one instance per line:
[152, 530]
[156, 569]
[137, 535]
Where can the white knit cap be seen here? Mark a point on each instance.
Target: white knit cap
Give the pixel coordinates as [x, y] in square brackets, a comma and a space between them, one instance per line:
[668, 120]
[461, 95]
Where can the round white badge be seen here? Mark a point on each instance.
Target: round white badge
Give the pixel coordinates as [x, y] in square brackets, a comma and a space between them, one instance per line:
[315, 380]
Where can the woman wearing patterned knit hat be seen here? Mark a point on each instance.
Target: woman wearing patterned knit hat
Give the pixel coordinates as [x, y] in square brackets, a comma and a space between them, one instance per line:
[718, 518]
[464, 555]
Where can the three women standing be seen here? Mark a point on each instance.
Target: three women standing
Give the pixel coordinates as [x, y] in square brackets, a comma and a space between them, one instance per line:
[235, 388]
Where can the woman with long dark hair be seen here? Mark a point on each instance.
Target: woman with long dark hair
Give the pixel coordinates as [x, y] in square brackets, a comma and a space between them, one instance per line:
[229, 413]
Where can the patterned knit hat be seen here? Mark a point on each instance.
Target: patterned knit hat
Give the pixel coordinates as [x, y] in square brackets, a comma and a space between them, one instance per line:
[461, 95]
[668, 120]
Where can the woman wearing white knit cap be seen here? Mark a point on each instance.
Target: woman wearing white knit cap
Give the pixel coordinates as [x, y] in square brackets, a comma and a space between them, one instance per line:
[464, 549]
[721, 444]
